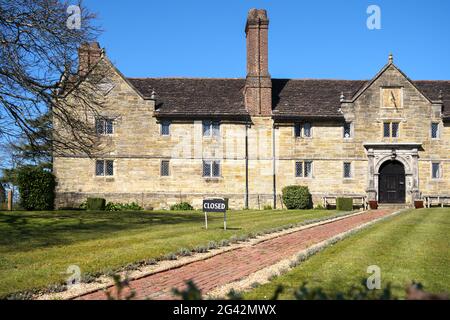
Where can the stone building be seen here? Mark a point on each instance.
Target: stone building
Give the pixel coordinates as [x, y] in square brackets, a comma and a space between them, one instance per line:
[182, 139]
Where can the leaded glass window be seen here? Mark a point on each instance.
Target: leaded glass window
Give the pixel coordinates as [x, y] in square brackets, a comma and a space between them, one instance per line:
[435, 130]
[347, 170]
[436, 170]
[165, 168]
[165, 128]
[299, 169]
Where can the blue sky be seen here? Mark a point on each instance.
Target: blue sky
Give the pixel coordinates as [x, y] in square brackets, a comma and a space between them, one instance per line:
[307, 39]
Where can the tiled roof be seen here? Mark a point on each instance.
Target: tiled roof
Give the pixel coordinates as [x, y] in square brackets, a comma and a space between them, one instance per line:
[203, 97]
[187, 97]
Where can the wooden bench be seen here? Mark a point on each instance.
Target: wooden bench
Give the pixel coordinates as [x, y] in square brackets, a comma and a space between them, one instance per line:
[330, 199]
[441, 199]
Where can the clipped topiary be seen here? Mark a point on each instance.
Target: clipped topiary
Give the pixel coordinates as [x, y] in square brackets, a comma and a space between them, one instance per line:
[36, 188]
[96, 204]
[297, 197]
[344, 204]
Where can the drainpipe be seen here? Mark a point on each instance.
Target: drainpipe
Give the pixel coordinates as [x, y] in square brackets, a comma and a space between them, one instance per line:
[246, 165]
[274, 174]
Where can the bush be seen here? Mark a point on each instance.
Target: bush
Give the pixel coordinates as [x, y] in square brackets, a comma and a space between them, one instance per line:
[267, 207]
[36, 188]
[95, 204]
[297, 197]
[117, 206]
[344, 204]
[183, 206]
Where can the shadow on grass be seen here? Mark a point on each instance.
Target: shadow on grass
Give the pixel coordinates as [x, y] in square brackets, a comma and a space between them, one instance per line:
[30, 230]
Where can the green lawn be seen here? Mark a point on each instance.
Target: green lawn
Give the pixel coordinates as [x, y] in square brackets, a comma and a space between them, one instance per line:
[412, 246]
[37, 247]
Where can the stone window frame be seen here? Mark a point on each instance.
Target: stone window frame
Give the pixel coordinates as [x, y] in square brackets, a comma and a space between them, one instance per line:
[105, 168]
[105, 121]
[211, 164]
[350, 170]
[299, 127]
[304, 176]
[164, 161]
[440, 171]
[167, 123]
[438, 133]
[352, 130]
[390, 123]
[213, 128]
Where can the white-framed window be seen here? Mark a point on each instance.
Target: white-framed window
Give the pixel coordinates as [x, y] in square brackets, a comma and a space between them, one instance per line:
[391, 129]
[104, 167]
[303, 130]
[165, 168]
[104, 126]
[211, 128]
[347, 130]
[435, 130]
[347, 170]
[211, 168]
[436, 170]
[165, 128]
[303, 169]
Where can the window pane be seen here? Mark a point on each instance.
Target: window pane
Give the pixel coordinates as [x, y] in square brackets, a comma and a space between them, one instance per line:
[216, 129]
[299, 169]
[308, 169]
[298, 130]
[99, 168]
[109, 167]
[435, 170]
[216, 169]
[100, 126]
[164, 168]
[387, 130]
[307, 129]
[206, 128]
[394, 129]
[206, 168]
[435, 130]
[347, 170]
[109, 126]
[165, 128]
[347, 130]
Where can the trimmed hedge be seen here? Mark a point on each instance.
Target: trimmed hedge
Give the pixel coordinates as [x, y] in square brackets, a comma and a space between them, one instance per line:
[183, 206]
[96, 204]
[344, 204]
[297, 197]
[36, 188]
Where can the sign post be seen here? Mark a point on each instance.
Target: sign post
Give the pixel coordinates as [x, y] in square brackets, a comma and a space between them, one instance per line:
[215, 205]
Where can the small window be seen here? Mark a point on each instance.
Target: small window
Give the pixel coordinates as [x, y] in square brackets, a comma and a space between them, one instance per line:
[307, 129]
[347, 170]
[298, 130]
[206, 128]
[211, 168]
[436, 170]
[347, 130]
[308, 169]
[104, 168]
[165, 168]
[394, 129]
[435, 130]
[104, 126]
[211, 128]
[387, 130]
[299, 169]
[216, 129]
[165, 128]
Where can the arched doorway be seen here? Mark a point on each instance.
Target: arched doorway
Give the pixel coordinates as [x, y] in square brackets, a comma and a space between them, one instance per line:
[391, 185]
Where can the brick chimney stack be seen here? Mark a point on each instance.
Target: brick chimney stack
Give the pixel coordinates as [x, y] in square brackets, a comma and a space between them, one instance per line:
[88, 54]
[258, 88]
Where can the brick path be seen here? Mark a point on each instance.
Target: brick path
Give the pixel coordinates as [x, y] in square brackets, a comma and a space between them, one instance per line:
[236, 264]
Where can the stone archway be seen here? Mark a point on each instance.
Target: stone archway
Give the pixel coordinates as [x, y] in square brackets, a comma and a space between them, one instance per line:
[406, 154]
[391, 182]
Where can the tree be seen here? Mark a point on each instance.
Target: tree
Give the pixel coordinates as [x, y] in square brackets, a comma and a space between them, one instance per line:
[39, 42]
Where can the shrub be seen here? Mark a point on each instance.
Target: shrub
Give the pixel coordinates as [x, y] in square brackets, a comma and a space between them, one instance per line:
[36, 188]
[297, 197]
[83, 205]
[267, 207]
[344, 204]
[182, 206]
[117, 206]
[95, 204]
